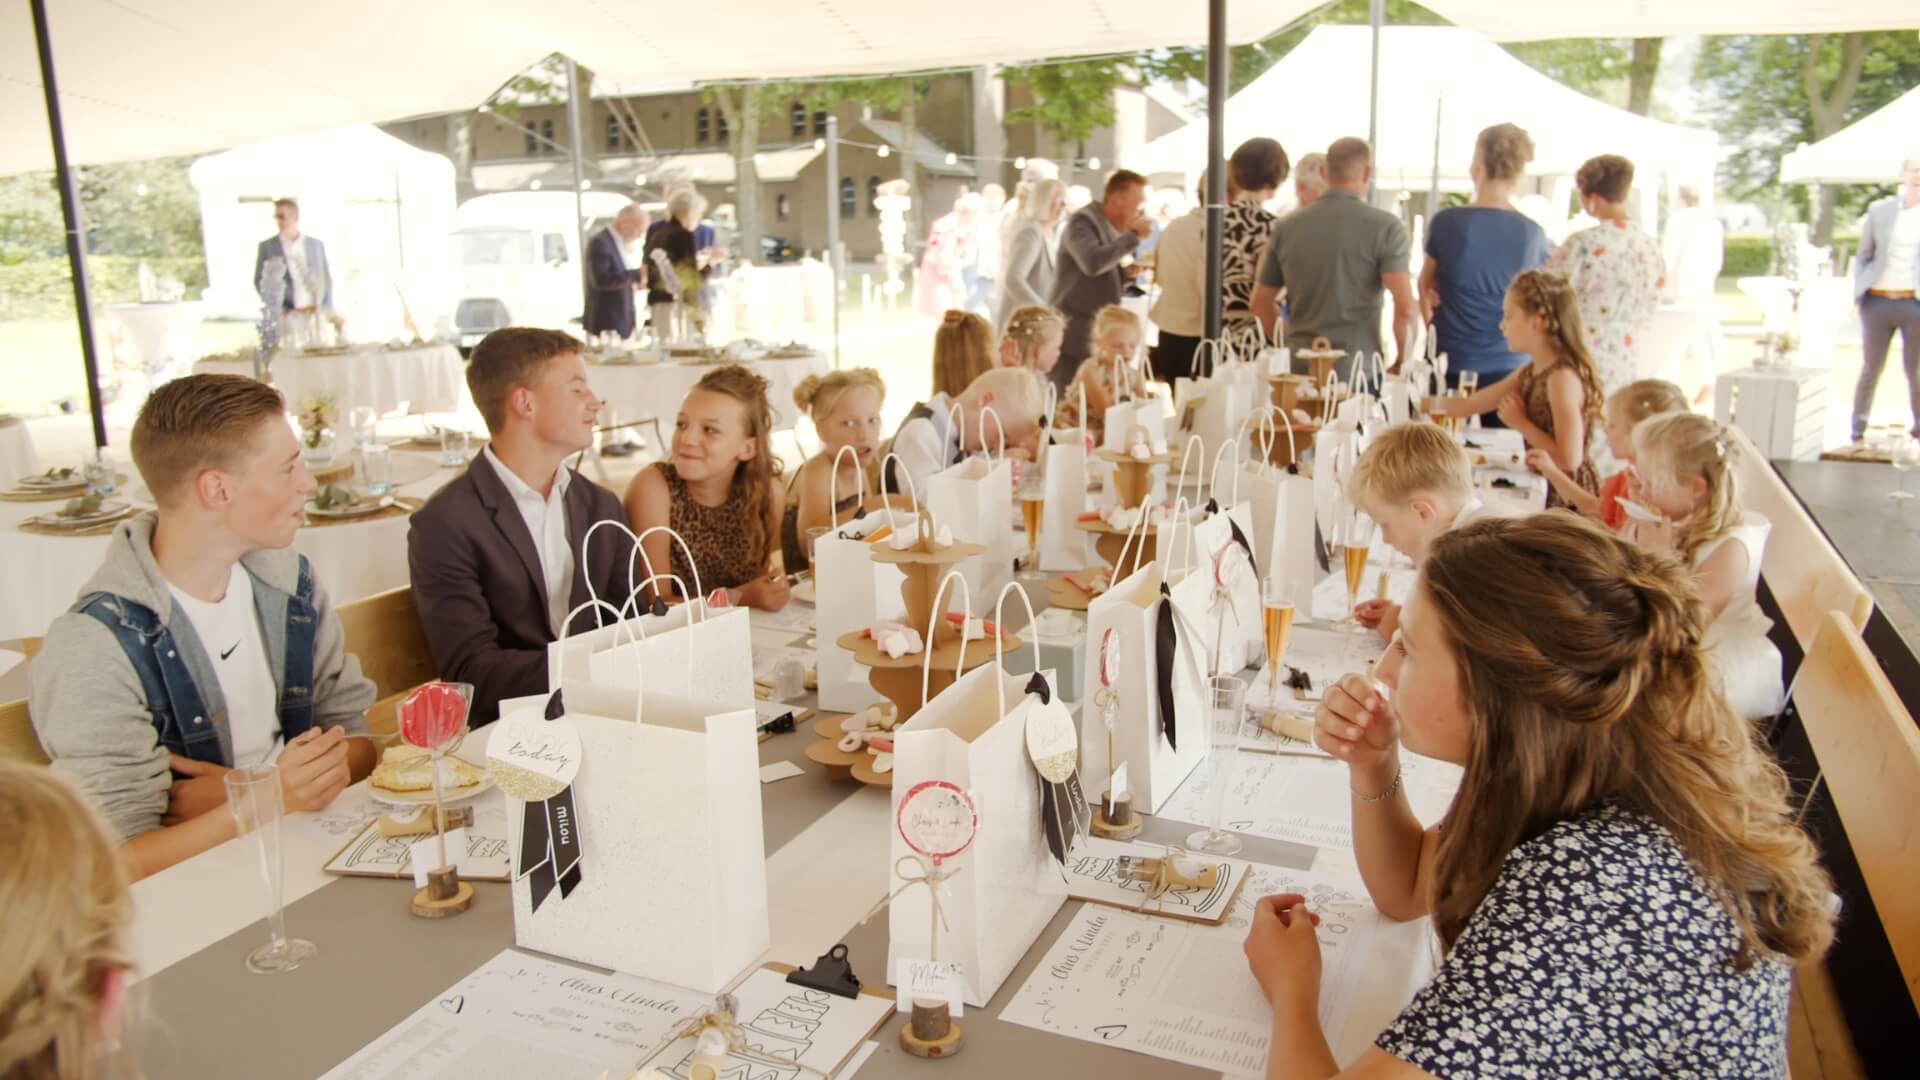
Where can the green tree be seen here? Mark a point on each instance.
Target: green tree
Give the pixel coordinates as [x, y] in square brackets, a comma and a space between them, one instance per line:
[1071, 99]
[897, 94]
[744, 106]
[1767, 94]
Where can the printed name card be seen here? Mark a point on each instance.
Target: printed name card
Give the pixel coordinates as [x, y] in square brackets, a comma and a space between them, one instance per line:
[931, 980]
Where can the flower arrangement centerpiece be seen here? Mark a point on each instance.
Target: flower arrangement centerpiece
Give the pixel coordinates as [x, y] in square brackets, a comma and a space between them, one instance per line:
[317, 416]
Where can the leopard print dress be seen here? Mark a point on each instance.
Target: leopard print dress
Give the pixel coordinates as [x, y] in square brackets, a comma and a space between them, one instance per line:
[1533, 391]
[721, 536]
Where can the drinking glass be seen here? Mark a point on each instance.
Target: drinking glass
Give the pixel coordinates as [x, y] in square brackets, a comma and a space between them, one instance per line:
[376, 469]
[1904, 453]
[1353, 535]
[1226, 729]
[362, 420]
[813, 538]
[1470, 382]
[1033, 503]
[253, 797]
[99, 473]
[453, 447]
[1277, 622]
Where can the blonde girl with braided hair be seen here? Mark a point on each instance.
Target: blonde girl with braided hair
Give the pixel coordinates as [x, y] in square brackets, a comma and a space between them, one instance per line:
[1554, 400]
[720, 489]
[1032, 340]
[1684, 471]
[962, 352]
[845, 408]
[63, 941]
[1112, 369]
[1619, 886]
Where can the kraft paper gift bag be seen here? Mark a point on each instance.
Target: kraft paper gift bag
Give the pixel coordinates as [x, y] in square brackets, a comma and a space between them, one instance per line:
[856, 592]
[975, 500]
[1005, 886]
[1283, 523]
[670, 878]
[1159, 738]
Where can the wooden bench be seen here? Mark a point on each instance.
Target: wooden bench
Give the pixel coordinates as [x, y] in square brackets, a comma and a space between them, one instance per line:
[18, 742]
[1806, 576]
[384, 631]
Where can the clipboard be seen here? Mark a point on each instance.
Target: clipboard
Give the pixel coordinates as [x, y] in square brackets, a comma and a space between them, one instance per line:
[369, 854]
[661, 1058]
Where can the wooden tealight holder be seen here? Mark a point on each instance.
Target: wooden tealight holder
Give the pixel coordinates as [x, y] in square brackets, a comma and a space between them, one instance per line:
[1121, 824]
[930, 1031]
[1132, 480]
[444, 895]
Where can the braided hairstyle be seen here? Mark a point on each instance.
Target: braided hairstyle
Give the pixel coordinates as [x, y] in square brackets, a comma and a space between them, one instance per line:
[1548, 295]
[753, 479]
[1028, 326]
[67, 912]
[962, 351]
[1584, 681]
[1673, 448]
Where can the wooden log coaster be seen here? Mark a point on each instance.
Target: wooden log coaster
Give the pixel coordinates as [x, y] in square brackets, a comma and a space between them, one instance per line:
[1122, 824]
[930, 1032]
[444, 895]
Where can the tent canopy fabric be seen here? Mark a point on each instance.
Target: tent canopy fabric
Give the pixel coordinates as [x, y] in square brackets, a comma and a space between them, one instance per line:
[154, 80]
[1868, 151]
[1505, 20]
[1467, 80]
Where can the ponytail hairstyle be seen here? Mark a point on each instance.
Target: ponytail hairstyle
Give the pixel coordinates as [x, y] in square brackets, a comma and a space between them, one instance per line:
[1548, 295]
[817, 395]
[1672, 449]
[752, 478]
[64, 934]
[1028, 326]
[962, 351]
[1584, 682]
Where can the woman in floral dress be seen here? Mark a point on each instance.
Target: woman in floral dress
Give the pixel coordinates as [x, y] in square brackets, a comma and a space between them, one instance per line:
[1615, 269]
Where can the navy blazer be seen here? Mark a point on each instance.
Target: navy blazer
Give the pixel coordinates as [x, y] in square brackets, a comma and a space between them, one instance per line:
[479, 589]
[317, 271]
[609, 286]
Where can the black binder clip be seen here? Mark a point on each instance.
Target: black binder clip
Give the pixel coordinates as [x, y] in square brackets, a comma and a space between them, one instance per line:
[830, 974]
[778, 725]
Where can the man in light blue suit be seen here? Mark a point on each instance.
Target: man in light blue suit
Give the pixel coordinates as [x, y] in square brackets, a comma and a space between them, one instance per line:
[307, 283]
[1886, 277]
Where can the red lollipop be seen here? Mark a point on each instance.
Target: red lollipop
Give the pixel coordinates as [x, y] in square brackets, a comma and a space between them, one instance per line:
[434, 715]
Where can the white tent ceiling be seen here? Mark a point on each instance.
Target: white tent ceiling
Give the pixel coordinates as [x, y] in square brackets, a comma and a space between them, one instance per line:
[151, 78]
[1475, 83]
[1508, 20]
[1868, 151]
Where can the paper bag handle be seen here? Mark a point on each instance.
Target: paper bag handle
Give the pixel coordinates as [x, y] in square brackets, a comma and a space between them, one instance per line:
[1213, 479]
[640, 543]
[639, 669]
[1000, 637]
[586, 572]
[1186, 455]
[1182, 514]
[986, 411]
[886, 499]
[1052, 399]
[933, 623]
[833, 483]
[957, 424]
[1211, 347]
[1138, 529]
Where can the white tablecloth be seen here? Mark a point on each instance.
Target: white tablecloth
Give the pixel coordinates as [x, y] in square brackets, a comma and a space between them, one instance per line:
[17, 458]
[638, 390]
[1826, 303]
[41, 575]
[424, 379]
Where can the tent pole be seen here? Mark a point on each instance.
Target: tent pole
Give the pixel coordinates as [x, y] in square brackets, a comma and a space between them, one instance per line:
[70, 214]
[1376, 17]
[1216, 154]
[579, 171]
[833, 224]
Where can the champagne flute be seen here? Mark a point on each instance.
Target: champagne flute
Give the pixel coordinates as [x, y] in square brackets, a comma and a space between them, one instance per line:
[1277, 621]
[253, 797]
[1470, 382]
[1226, 728]
[1354, 535]
[1033, 503]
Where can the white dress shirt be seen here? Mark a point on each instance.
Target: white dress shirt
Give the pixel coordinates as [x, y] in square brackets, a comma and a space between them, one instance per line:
[1180, 269]
[1901, 273]
[927, 445]
[546, 518]
[296, 254]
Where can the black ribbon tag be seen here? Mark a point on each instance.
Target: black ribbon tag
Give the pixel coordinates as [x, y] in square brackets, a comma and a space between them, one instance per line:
[550, 851]
[1166, 647]
[1038, 685]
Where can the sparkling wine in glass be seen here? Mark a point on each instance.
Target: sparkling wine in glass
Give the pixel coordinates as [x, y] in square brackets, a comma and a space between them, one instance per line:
[1227, 731]
[1033, 504]
[253, 797]
[1355, 536]
[1469, 383]
[1277, 621]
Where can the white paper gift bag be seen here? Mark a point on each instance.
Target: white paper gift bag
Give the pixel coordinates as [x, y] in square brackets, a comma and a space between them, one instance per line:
[975, 500]
[1283, 523]
[671, 878]
[1004, 887]
[1155, 763]
[1223, 546]
[856, 592]
[1064, 546]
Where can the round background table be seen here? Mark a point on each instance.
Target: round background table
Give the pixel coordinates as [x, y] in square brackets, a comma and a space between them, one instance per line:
[422, 378]
[17, 458]
[656, 389]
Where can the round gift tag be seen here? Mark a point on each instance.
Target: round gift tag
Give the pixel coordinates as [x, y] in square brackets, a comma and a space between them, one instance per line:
[1051, 741]
[1229, 563]
[937, 819]
[533, 759]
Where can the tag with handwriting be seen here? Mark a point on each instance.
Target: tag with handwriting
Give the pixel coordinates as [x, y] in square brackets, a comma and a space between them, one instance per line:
[533, 759]
[931, 980]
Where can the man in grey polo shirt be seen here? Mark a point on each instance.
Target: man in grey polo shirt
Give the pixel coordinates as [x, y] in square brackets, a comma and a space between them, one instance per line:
[1335, 259]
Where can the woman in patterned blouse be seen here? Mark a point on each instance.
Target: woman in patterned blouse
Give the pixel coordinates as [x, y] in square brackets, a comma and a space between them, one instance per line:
[1619, 887]
[1616, 270]
[1255, 171]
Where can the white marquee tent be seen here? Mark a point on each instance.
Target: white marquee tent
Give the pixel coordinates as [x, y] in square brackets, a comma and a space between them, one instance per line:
[1317, 93]
[1868, 151]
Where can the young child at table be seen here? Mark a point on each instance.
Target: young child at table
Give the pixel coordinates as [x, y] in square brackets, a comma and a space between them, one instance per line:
[845, 408]
[1619, 886]
[1032, 340]
[962, 351]
[1554, 399]
[64, 952]
[1111, 370]
[1416, 483]
[1629, 405]
[495, 554]
[1685, 475]
[204, 641]
[927, 441]
[720, 490]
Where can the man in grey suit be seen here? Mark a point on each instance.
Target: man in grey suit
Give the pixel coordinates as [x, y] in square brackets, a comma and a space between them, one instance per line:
[307, 284]
[1098, 238]
[1885, 277]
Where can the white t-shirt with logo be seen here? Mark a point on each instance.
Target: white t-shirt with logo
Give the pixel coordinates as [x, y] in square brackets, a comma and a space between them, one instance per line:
[230, 633]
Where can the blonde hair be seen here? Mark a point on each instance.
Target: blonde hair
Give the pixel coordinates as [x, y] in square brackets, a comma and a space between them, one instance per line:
[1406, 460]
[962, 351]
[1672, 448]
[818, 394]
[1548, 295]
[1648, 397]
[1111, 316]
[1584, 680]
[1028, 326]
[753, 477]
[1015, 385]
[685, 201]
[1505, 150]
[67, 913]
